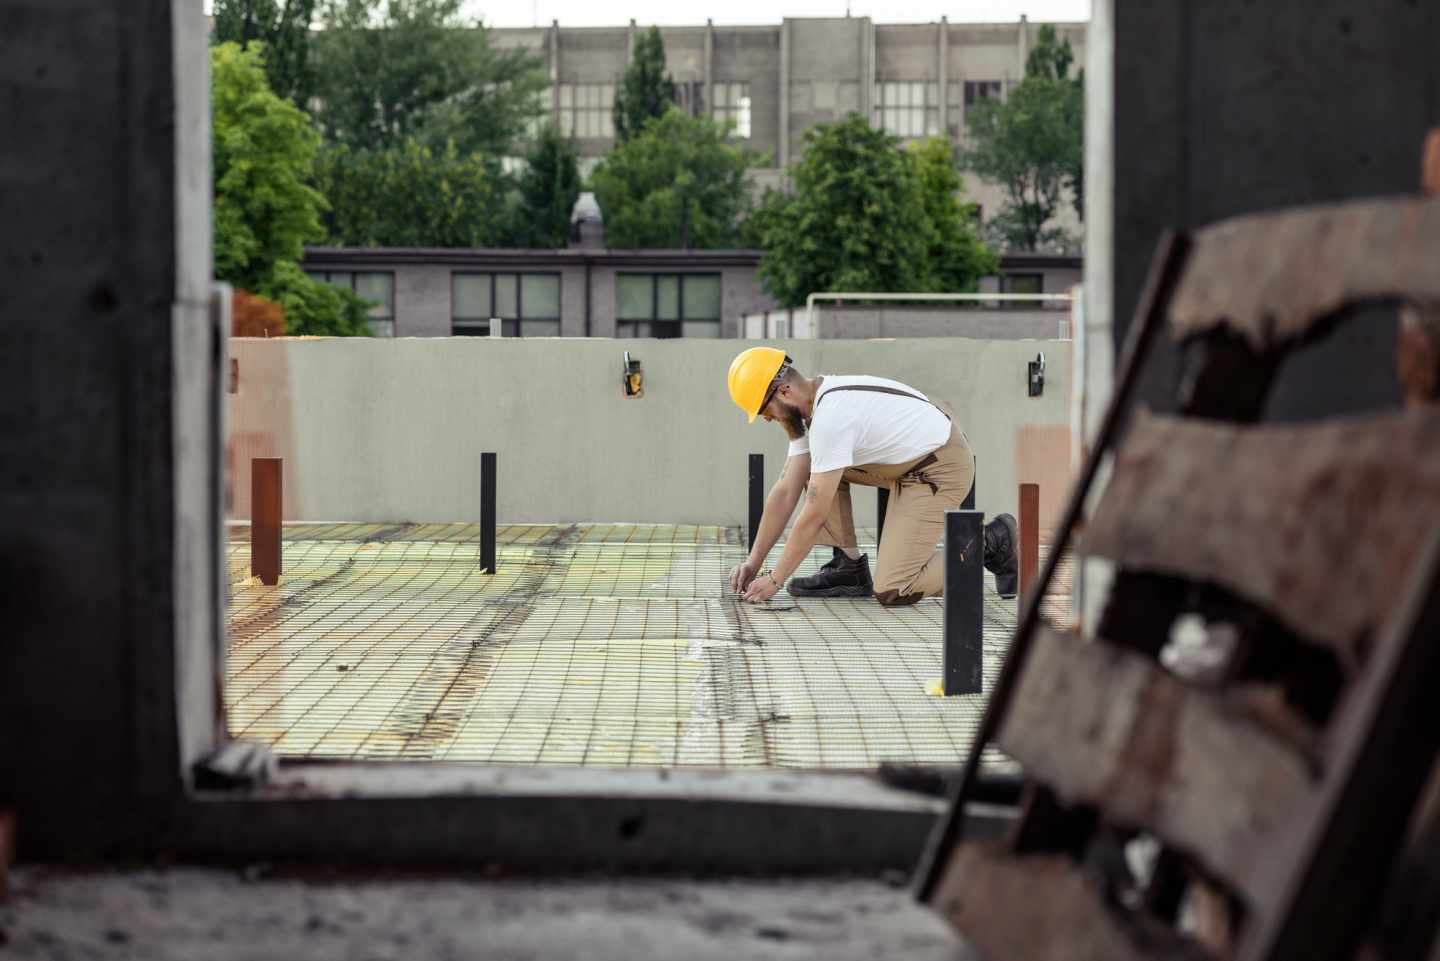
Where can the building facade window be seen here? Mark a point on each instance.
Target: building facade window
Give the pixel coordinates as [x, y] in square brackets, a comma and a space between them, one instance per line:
[977, 90]
[908, 108]
[587, 110]
[1030, 283]
[732, 102]
[667, 305]
[528, 305]
[376, 286]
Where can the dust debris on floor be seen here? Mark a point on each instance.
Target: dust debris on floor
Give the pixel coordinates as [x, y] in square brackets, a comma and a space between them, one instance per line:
[593, 644]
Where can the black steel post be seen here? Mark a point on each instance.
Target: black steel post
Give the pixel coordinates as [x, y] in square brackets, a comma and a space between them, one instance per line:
[487, 512]
[882, 501]
[964, 602]
[757, 495]
[968, 503]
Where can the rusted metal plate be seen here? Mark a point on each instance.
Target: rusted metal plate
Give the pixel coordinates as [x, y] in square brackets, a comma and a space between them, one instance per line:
[266, 512]
[1318, 523]
[1040, 907]
[1104, 726]
[1029, 546]
[1271, 276]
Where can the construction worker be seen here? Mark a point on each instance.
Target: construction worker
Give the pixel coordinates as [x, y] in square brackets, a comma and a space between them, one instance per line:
[859, 430]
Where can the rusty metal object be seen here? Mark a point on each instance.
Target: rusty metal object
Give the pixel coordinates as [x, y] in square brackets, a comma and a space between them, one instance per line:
[1271, 277]
[1430, 163]
[1265, 512]
[1029, 545]
[1417, 353]
[266, 511]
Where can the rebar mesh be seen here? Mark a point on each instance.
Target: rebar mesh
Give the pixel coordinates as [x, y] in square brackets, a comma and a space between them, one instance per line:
[608, 644]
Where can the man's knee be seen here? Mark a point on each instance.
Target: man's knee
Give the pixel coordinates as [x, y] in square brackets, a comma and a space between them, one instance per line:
[895, 598]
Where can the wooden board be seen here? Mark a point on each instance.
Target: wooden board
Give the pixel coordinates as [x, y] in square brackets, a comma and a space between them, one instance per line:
[1038, 908]
[1270, 277]
[1104, 726]
[1320, 523]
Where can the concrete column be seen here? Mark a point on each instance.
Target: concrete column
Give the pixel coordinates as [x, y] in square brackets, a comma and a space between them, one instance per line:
[554, 42]
[784, 98]
[710, 66]
[630, 42]
[1022, 46]
[942, 71]
[110, 488]
[867, 67]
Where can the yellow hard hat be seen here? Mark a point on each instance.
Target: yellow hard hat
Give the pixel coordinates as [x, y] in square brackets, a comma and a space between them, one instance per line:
[750, 376]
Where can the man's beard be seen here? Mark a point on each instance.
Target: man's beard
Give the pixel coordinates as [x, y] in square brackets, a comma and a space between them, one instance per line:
[792, 421]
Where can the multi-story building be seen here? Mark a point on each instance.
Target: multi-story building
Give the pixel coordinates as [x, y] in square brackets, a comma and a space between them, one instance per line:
[773, 82]
[777, 80]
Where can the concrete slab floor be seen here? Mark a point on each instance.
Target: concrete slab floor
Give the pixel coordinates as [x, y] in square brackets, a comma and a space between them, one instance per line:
[189, 913]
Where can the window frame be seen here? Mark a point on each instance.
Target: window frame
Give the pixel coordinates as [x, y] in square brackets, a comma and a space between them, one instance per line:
[510, 326]
[625, 326]
[324, 274]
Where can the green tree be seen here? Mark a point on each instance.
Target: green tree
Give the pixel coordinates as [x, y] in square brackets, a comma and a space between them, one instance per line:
[283, 26]
[394, 70]
[410, 196]
[866, 215]
[646, 91]
[956, 256]
[677, 183]
[1032, 145]
[265, 209]
[548, 189]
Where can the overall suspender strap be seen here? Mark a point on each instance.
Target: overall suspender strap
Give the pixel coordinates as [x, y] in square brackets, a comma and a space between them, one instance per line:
[880, 390]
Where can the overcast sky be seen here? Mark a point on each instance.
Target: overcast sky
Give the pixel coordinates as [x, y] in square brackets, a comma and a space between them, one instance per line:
[587, 13]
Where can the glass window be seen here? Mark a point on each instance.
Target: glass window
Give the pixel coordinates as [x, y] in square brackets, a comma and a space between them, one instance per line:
[376, 286]
[635, 297]
[542, 328]
[732, 103]
[528, 304]
[907, 108]
[587, 109]
[648, 305]
[1024, 284]
[507, 298]
[470, 296]
[702, 297]
[667, 297]
[539, 297]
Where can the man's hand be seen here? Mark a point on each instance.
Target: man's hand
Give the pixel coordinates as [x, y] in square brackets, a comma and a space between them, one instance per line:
[742, 575]
[762, 589]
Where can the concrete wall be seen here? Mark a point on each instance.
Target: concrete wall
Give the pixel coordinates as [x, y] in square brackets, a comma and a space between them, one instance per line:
[919, 321]
[390, 431]
[1224, 107]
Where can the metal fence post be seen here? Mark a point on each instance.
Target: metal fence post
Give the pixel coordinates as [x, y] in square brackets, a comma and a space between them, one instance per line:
[969, 502]
[1029, 536]
[266, 516]
[757, 495]
[487, 512]
[964, 602]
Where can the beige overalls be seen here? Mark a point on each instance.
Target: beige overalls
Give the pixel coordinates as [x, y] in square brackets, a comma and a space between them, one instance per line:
[921, 491]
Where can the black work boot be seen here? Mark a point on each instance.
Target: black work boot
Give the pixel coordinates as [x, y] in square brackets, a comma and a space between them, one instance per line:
[1002, 554]
[841, 577]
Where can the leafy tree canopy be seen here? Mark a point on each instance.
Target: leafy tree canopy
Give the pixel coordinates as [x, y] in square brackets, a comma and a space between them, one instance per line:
[548, 189]
[265, 209]
[646, 91]
[393, 70]
[283, 26]
[678, 182]
[867, 215]
[411, 196]
[1032, 145]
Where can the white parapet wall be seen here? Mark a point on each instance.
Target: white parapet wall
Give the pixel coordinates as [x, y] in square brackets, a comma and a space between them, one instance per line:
[386, 431]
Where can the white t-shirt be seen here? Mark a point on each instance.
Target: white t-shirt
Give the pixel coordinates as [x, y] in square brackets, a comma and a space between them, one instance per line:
[870, 427]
